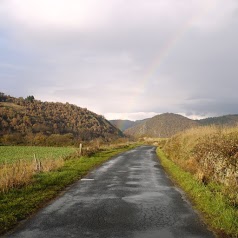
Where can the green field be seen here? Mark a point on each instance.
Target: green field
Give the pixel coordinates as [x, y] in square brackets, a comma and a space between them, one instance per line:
[11, 154]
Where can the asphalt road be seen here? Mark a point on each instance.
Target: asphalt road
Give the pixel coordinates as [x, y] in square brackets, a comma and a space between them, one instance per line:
[129, 196]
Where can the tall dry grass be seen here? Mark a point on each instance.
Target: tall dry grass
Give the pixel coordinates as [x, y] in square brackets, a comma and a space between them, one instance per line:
[210, 154]
[21, 172]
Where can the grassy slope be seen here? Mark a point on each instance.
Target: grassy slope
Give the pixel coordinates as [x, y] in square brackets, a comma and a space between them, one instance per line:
[17, 204]
[217, 212]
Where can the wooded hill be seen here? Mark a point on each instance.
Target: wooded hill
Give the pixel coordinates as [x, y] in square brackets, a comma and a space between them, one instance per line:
[168, 124]
[34, 122]
[227, 120]
[164, 125]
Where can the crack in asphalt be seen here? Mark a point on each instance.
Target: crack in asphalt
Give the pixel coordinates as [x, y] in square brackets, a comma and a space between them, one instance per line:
[130, 196]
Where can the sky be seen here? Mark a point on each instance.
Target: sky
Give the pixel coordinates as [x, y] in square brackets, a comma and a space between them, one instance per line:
[124, 59]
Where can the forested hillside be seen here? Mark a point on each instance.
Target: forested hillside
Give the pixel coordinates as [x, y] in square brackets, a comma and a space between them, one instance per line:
[168, 124]
[32, 121]
[164, 125]
[227, 120]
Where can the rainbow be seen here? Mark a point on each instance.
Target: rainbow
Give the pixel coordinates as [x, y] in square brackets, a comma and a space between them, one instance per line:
[121, 124]
[163, 54]
[167, 49]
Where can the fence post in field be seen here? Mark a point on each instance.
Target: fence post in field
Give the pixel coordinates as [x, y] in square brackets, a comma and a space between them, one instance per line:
[80, 149]
[35, 160]
[37, 164]
[40, 165]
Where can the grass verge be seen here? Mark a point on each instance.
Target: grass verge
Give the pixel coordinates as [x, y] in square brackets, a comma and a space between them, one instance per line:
[18, 204]
[217, 212]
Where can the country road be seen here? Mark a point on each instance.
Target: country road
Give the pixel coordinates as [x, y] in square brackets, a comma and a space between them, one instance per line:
[129, 196]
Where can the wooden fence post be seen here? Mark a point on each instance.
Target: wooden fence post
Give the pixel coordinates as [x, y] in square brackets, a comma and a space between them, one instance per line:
[80, 149]
[37, 164]
[35, 160]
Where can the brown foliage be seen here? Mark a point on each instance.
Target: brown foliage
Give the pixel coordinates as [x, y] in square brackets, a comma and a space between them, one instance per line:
[31, 117]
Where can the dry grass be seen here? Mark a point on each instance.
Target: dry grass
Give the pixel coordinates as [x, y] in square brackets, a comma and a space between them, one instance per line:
[18, 164]
[210, 154]
[22, 171]
[160, 142]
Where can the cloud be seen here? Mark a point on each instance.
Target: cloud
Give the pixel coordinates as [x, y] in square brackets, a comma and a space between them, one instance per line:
[130, 116]
[119, 57]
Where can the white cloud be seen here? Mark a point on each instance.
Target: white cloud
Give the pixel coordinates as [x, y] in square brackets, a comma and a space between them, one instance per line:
[56, 13]
[130, 116]
[92, 14]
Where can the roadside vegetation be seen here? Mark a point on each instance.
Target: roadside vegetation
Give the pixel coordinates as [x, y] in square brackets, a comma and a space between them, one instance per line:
[204, 162]
[24, 187]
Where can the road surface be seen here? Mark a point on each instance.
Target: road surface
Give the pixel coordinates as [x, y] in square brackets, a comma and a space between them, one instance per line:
[129, 196]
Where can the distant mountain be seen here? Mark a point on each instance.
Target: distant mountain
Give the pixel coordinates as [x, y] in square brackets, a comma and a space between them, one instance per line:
[227, 120]
[125, 124]
[28, 119]
[164, 125]
[168, 124]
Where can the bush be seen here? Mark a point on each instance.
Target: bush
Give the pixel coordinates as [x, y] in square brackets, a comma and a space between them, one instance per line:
[12, 139]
